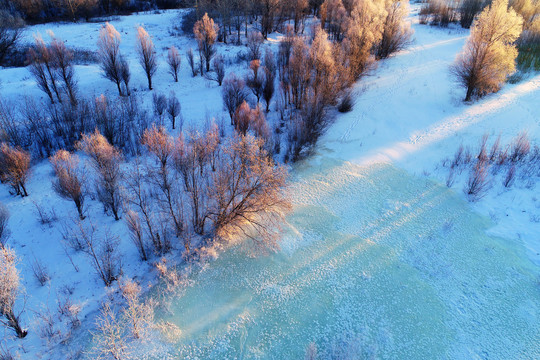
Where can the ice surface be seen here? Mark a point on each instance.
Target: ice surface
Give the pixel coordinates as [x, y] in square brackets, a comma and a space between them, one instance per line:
[381, 264]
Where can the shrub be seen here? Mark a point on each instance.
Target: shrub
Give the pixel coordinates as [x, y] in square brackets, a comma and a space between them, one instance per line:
[520, 147]
[105, 160]
[9, 292]
[15, 168]
[69, 179]
[147, 55]
[174, 61]
[478, 182]
[233, 93]
[113, 65]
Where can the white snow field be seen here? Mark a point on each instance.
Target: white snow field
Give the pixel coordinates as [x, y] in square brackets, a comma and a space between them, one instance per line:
[379, 259]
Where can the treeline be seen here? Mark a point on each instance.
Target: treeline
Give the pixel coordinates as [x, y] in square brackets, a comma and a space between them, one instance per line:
[34, 11]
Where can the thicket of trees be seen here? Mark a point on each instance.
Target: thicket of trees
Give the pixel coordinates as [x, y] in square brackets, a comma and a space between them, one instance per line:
[197, 183]
[73, 10]
[489, 56]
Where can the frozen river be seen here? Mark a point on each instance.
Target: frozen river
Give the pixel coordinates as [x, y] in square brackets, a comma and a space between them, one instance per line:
[375, 263]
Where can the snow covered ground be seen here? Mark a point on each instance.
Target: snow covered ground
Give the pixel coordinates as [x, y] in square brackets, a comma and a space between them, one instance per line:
[378, 256]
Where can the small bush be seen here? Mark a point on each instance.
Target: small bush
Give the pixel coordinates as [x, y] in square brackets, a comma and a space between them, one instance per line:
[478, 182]
[520, 147]
[510, 177]
[40, 272]
[346, 103]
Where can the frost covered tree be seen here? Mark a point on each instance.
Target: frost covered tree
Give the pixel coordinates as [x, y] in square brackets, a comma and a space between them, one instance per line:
[9, 292]
[489, 55]
[254, 43]
[325, 77]
[162, 147]
[397, 31]
[334, 18]
[206, 32]
[468, 9]
[234, 93]
[15, 168]
[110, 59]
[105, 159]
[110, 339]
[139, 199]
[147, 55]
[174, 61]
[255, 79]
[63, 63]
[191, 62]
[173, 109]
[42, 67]
[254, 206]
[4, 230]
[69, 179]
[10, 34]
[247, 118]
[364, 31]
[269, 78]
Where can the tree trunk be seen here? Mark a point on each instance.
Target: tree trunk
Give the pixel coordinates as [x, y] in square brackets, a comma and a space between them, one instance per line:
[13, 322]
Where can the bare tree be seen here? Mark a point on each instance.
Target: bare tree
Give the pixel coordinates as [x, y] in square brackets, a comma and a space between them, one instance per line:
[139, 198]
[219, 70]
[251, 119]
[161, 145]
[173, 109]
[63, 62]
[70, 179]
[40, 271]
[4, 230]
[255, 205]
[255, 79]
[134, 225]
[488, 57]
[468, 9]
[109, 55]
[15, 168]
[159, 102]
[191, 158]
[269, 9]
[147, 55]
[191, 62]
[206, 31]
[174, 60]
[254, 43]
[233, 93]
[9, 292]
[101, 249]
[110, 339]
[138, 315]
[10, 34]
[42, 66]
[106, 160]
[125, 74]
[269, 78]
